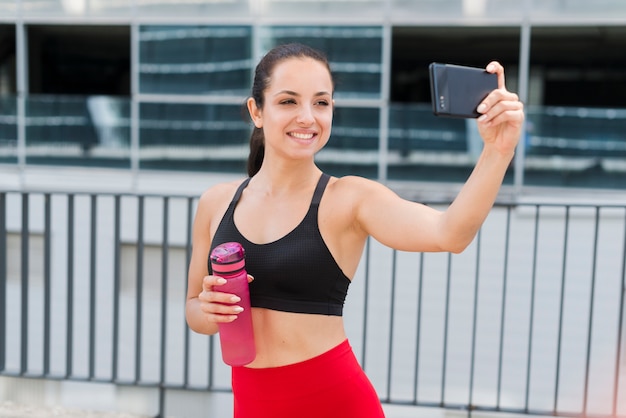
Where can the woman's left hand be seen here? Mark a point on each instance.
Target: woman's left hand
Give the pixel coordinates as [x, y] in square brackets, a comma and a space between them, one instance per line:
[502, 115]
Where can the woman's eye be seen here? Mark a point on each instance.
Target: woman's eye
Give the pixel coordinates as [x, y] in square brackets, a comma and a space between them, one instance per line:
[288, 101]
[322, 103]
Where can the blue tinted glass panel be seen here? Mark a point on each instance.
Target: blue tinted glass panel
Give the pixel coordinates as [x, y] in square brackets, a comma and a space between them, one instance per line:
[355, 54]
[578, 147]
[8, 129]
[353, 145]
[423, 147]
[203, 137]
[72, 130]
[195, 60]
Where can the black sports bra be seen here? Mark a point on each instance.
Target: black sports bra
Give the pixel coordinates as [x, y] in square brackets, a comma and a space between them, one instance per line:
[296, 273]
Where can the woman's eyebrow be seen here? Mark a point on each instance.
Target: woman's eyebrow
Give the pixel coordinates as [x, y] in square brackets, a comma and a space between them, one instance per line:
[293, 93]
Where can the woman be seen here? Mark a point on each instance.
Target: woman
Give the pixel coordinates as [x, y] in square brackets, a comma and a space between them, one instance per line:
[304, 233]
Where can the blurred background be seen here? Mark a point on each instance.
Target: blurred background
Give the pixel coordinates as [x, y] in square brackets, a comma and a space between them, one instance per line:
[116, 114]
[158, 85]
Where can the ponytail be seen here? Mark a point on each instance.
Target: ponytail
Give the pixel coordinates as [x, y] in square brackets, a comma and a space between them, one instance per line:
[257, 151]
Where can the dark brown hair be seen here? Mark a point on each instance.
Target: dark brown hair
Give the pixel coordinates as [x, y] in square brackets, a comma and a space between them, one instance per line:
[262, 75]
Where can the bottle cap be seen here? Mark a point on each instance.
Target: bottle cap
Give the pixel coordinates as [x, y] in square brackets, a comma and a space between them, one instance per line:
[227, 253]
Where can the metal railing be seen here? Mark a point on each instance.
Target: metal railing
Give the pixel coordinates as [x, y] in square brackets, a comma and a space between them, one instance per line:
[529, 319]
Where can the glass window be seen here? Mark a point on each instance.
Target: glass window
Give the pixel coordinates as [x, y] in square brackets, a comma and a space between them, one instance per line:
[423, 147]
[576, 118]
[353, 145]
[8, 129]
[195, 60]
[354, 53]
[193, 137]
[73, 130]
[575, 146]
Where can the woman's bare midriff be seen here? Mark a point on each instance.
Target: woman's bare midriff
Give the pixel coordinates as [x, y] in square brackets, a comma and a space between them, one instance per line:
[283, 338]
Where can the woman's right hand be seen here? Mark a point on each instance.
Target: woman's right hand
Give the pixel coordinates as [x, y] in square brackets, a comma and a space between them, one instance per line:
[218, 307]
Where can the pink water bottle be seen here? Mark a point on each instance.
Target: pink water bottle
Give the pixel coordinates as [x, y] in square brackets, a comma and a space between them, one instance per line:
[236, 338]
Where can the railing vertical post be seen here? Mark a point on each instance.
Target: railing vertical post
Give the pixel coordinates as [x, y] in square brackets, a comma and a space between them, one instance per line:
[164, 285]
[561, 307]
[532, 310]
[210, 351]
[24, 276]
[92, 285]
[591, 308]
[474, 327]
[392, 315]
[446, 323]
[505, 268]
[187, 261]
[70, 287]
[116, 286]
[620, 325]
[47, 285]
[3, 280]
[418, 326]
[139, 295]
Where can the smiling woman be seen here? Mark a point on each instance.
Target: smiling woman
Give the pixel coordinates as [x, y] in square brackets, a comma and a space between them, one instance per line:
[304, 231]
[305, 116]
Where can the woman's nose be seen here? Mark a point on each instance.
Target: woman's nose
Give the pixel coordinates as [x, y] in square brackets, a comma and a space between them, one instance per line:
[305, 115]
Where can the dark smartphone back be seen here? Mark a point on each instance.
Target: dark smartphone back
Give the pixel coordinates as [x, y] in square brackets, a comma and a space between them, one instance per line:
[456, 91]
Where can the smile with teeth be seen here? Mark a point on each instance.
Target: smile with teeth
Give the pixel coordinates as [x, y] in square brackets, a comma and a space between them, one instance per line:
[301, 135]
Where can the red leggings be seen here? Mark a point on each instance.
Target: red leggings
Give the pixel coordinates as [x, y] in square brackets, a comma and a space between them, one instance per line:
[331, 385]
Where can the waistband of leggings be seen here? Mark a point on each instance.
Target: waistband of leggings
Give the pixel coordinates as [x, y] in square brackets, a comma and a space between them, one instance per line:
[332, 367]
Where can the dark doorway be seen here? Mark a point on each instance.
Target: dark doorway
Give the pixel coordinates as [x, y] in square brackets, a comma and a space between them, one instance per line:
[413, 48]
[579, 66]
[79, 60]
[8, 83]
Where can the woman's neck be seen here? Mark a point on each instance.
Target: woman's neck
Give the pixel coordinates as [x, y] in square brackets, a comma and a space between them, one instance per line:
[274, 179]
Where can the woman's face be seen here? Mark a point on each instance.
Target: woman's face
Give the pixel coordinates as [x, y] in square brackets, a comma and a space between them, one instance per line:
[298, 111]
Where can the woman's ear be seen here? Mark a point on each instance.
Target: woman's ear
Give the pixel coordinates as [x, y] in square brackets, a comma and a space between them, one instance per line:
[255, 113]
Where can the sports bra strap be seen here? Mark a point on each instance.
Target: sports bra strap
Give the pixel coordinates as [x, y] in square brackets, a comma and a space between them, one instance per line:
[240, 190]
[319, 189]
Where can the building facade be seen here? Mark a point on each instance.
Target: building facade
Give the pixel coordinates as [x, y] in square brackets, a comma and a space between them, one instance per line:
[159, 84]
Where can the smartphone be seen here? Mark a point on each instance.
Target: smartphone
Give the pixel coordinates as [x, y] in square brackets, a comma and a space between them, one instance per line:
[456, 91]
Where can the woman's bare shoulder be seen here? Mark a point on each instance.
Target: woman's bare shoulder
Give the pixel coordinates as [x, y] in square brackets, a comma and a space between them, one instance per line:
[355, 185]
[219, 195]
